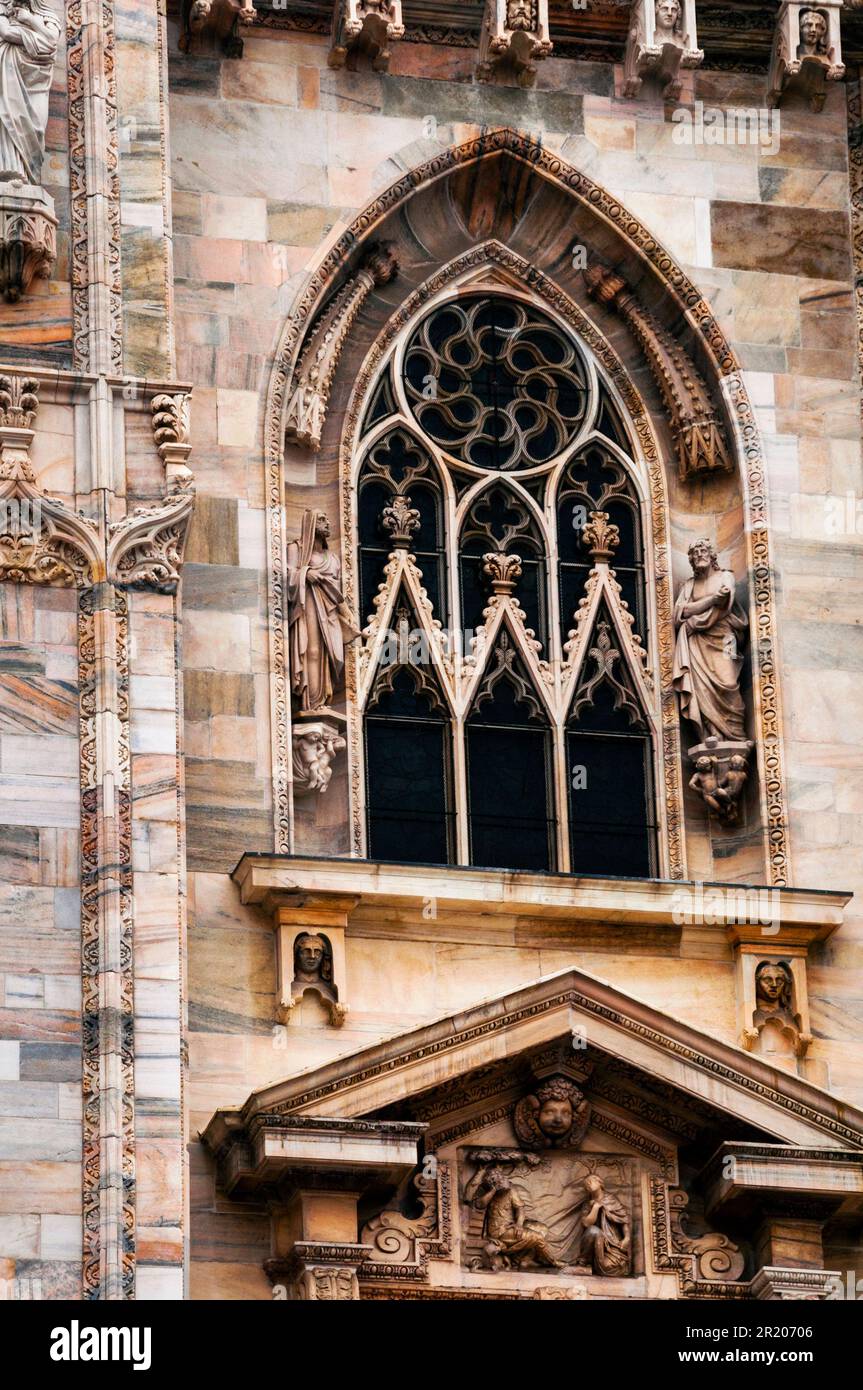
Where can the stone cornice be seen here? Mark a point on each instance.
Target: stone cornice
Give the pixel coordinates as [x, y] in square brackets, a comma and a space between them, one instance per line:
[802, 915]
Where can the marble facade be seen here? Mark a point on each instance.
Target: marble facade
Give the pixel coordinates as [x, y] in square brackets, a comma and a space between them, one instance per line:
[223, 190]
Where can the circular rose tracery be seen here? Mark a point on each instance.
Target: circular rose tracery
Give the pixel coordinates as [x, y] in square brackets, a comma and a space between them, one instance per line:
[495, 383]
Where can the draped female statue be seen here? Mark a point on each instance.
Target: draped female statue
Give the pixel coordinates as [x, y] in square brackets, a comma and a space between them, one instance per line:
[319, 621]
[706, 661]
[29, 35]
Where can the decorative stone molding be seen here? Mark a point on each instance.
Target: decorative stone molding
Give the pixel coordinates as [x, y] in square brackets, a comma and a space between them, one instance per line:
[695, 423]
[28, 238]
[774, 1284]
[218, 20]
[706, 1266]
[365, 28]
[807, 51]
[662, 41]
[316, 742]
[19, 403]
[145, 549]
[321, 1271]
[401, 1246]
[171, 432]
[310, 386]
[514, 37]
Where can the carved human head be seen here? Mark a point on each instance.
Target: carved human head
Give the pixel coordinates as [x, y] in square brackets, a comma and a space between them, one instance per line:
[312, 957]
[593, 1185]
[702, 556]
[737, 762]
[773, 982]
[667, 15]
[703, 764]
[322, 526]
[519, 14]
[813, 31]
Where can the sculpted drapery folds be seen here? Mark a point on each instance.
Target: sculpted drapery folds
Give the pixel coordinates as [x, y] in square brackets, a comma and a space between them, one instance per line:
[29, 35]
[606, 1236]
[706, 662]
[319, 623]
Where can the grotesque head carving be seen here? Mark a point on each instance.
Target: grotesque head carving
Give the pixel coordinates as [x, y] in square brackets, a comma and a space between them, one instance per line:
[555, 1116]
[313, 959]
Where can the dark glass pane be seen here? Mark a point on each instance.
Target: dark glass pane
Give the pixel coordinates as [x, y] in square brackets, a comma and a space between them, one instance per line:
[628, 549]
[474, 592]
[372, 564]
[374, 496]
[611, 828]
[507, 773]
[600, 713]
[408, 794]
[572, 581]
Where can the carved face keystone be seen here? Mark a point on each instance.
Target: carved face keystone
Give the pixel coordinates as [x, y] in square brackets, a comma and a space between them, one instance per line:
[555, 1118]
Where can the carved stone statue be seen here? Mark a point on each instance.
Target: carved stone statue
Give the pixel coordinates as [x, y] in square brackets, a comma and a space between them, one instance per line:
[706, 663]
[315, 745]
[555, 1116]
[606, 1236]
[319, 623]
[667, 26]
[29, 35]
[509, 1239]
[314, 969]
[813, 34]
[773, 993]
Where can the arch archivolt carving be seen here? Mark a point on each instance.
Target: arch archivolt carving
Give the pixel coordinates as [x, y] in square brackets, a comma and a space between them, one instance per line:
[724, 377]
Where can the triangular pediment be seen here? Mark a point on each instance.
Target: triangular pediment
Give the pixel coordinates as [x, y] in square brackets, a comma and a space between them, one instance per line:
[641, 1048]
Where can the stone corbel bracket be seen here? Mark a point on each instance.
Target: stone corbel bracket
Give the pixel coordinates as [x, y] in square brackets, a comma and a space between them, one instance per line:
[515, 37]
[806, 61]
[42, 540]
[695, 422]
[308, 392]
[316, 744]
[661, 54]
[767, 938]
[218, 20]
[365, 27]
[28, 238]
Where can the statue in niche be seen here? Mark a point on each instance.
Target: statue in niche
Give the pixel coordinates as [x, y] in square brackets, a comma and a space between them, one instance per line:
[313, 961]
[29, 36]
[509, 1238]
[555, 1116]
[319, 622]
[706, 663]
[667, 23]
[773, 994]
[813, 34]
[605, 1230]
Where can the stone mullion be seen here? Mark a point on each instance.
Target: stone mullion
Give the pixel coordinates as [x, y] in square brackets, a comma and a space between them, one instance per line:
[101, 187]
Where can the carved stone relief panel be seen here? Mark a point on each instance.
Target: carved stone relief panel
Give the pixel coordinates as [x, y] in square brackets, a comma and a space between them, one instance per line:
[560, 1211]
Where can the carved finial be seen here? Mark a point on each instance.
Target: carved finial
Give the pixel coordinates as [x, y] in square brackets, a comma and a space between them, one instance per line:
[504, 571]
[19, 402]
[400, 520]
[601, 537]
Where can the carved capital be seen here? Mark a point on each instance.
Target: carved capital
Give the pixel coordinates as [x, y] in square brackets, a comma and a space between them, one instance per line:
[514, 37]
[694, 421]
[309, 391]
[19, 402]
[365, 28]
[28, 238]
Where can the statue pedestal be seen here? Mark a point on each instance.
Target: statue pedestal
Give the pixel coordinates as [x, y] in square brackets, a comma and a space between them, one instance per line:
[28, 237]
[316, 739]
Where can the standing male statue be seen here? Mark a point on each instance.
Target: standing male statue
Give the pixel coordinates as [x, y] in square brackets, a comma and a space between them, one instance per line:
[706, 663]
[29, 35]
[319, 622]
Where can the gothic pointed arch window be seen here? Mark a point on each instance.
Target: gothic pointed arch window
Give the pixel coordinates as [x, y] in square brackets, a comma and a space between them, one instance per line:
[509, 710]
